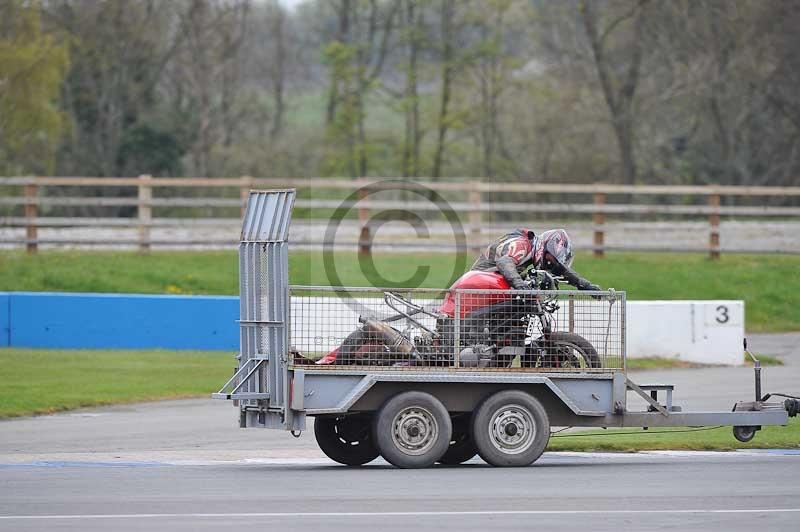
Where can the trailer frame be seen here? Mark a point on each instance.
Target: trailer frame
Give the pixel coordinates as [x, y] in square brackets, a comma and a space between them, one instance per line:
[272, 391]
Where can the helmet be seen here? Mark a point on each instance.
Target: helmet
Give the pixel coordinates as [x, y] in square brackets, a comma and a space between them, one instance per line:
[553, 249]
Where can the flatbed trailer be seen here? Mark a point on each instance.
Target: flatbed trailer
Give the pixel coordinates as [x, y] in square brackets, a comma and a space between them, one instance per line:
[444, 402]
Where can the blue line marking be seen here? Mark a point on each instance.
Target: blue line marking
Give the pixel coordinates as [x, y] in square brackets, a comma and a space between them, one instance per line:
[63, 463]
[779, 452]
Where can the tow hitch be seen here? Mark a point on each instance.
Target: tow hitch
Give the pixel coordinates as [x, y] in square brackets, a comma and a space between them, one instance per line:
[791, 403]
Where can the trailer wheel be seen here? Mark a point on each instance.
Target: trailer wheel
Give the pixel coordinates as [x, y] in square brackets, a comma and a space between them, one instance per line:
[462, 448]
[346, 439]
[511, 428]
[412, 430]
[745, 433]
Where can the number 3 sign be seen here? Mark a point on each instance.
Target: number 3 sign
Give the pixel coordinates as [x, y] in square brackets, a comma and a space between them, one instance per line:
[724, 313]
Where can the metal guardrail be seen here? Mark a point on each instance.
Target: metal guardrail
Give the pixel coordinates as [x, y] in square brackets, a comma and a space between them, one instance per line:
[34, 198]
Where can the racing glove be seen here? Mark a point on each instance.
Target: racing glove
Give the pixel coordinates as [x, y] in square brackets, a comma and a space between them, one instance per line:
[577, 281]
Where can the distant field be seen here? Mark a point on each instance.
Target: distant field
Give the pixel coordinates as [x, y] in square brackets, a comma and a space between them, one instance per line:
[769, 285]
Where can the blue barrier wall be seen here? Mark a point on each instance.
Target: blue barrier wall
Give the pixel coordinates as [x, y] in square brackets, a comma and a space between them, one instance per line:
[5, 321]
[118, 321]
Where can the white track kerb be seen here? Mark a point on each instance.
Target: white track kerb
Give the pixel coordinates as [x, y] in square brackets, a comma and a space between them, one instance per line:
[300, 515]
[421, 376]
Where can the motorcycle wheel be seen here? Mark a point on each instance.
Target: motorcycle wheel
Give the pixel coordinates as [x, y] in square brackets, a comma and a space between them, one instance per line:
[462, 448]
[346, 439]
[568, 347]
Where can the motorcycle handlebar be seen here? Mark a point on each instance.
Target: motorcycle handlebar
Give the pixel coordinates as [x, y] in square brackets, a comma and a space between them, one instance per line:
[548, 280]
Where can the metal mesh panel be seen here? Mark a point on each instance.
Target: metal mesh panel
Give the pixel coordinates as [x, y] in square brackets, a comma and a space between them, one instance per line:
[459, 329]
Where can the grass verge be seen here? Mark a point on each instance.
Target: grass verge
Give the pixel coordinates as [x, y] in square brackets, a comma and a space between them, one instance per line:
[767, 284]
[689, 439]
[39, 381]
[765, 360]
[640, 364]
[45, 381]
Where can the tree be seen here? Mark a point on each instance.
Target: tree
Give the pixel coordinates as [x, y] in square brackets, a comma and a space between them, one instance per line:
[447, 69]
[355, 62]
[208, 72]
[32, 67]
[734, 84]
[145, 150]
[277, 67]
[618, 79]
[686, 91]
[119, 52]
[414, 38]
[491, 62]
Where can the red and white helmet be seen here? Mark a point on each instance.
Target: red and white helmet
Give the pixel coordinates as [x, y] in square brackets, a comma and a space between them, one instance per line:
[553, 248]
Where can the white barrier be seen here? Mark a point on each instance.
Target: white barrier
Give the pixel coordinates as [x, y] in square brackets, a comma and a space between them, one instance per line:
[707, 332]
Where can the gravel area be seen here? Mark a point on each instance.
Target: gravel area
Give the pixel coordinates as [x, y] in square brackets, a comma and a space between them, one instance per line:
[208, 234]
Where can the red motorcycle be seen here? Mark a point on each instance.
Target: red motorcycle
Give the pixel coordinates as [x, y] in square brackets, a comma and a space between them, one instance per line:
[496, 326]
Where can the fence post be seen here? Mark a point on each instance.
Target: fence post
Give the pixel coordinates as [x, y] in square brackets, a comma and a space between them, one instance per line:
[364, 240]
[31, 213]
[145, 212]
[457, 330]
[713, 220]
[599, 218]
[571, 313]
[245, 185]
[475, 214]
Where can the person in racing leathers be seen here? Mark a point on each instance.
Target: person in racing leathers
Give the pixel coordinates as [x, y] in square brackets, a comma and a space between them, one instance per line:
[514, 252]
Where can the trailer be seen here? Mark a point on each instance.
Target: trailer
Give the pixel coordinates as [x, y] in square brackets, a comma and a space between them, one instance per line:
[421, 376]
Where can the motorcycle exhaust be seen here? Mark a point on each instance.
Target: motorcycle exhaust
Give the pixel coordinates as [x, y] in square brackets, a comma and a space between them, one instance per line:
[393, 339]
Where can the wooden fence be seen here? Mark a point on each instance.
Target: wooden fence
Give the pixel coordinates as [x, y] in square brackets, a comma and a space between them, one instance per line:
[33, 193]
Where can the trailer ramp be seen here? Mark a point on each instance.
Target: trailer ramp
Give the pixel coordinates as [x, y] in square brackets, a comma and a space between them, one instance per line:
[260, 383]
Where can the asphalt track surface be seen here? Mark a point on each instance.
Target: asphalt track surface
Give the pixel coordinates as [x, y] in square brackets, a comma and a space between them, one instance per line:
[684, 491]
[183, 465]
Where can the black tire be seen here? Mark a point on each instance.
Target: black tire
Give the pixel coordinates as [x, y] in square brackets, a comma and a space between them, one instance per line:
[412, 430]
[510, 429]
[346, 439]
[349, 350]
[577, 345]
[745, 433]
[361, 347]
[461, 448]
